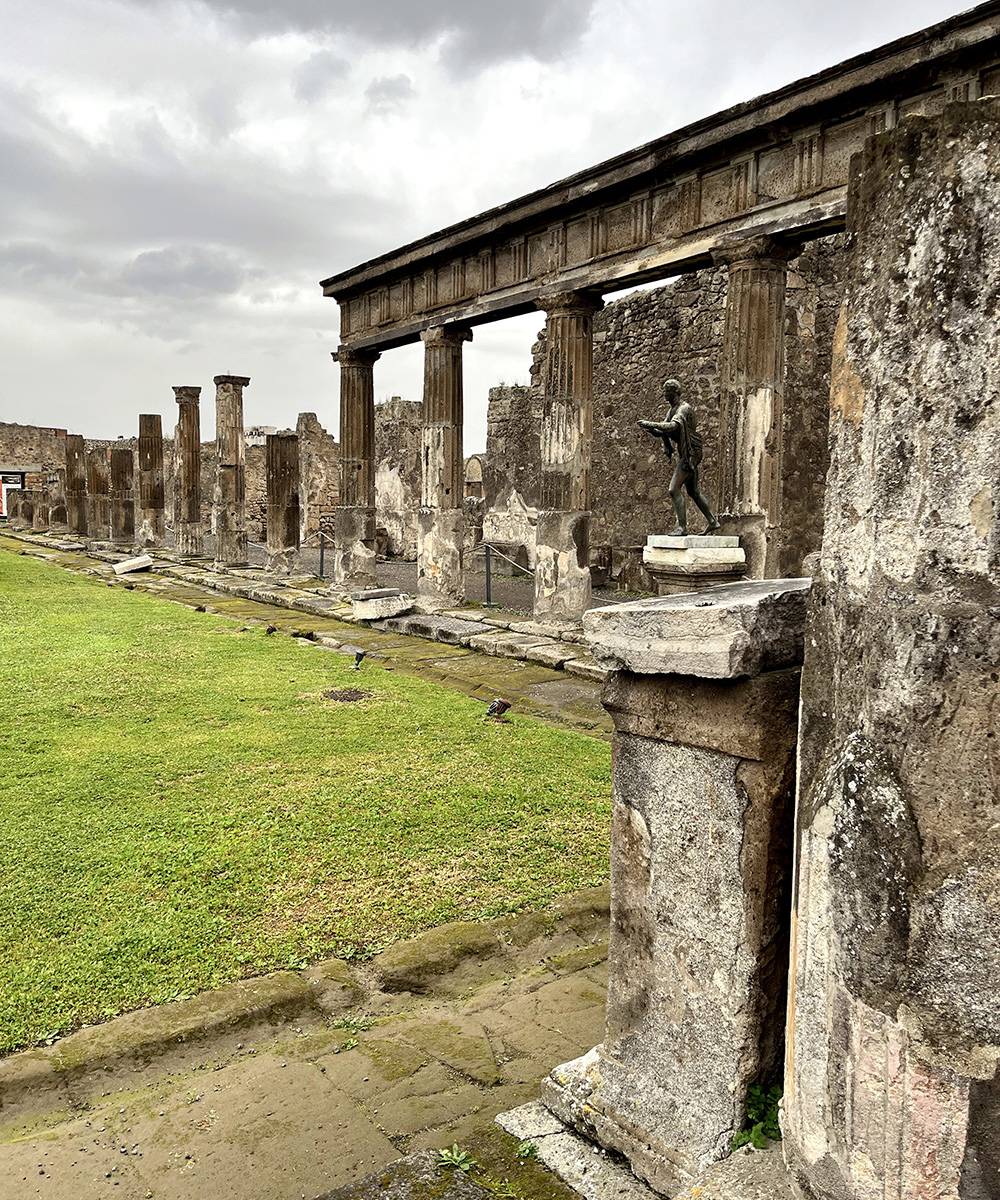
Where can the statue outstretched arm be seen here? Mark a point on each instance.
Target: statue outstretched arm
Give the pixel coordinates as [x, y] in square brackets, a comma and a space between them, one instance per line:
[661, 428]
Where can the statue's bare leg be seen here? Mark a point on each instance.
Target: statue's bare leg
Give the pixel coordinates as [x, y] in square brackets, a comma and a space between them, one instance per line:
[679, 503]
[696, 495]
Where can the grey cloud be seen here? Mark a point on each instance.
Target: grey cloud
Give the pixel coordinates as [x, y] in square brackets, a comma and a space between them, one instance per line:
[384, 95]
[31, 264]
[184, 271]
[475, 35]
[318, 74]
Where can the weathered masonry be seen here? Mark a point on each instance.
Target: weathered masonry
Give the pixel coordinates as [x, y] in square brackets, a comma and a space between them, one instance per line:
[742, 190]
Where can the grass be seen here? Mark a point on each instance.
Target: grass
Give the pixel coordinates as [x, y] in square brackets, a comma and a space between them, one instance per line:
[181, 807]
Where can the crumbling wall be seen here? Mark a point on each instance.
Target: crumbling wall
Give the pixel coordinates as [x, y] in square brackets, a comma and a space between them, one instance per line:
[319, 476]
[512, 467]
[42, 448]
[398, 439]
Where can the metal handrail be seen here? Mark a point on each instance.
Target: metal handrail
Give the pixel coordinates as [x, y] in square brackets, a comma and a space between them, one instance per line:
[491, 549]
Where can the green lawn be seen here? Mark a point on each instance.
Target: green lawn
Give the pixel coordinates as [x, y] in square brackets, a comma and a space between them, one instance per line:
[180, 807]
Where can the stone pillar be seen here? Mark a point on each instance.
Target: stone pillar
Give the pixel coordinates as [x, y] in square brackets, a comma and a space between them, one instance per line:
[151, 533]
[441, 521]
[122, 496]
[703, 692]
[354, 531]
[58, 522]
[22, 508]
[98, 497]
[283, 515]
[76, 484]
[562, 566]
[40, 516]
[188, 529]
[752, 377]
[230, 498]
[891, 1079]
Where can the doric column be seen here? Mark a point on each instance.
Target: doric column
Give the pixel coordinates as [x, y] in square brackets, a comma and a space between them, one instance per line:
[230, 498]
[188, 530]
[122, 496]
[58, 522]
[282, 502]
[441, 522]
[562, 567]
[76, 484]
[152, 527]
[98, 500]
[354, 537]
[752, 390]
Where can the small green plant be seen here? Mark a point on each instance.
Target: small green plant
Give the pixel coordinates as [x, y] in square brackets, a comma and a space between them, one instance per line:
[762, 1118]
[457, 1160]
[527, 1150]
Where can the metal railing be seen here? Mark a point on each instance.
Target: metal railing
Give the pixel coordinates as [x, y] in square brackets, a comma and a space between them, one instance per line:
[489, 550]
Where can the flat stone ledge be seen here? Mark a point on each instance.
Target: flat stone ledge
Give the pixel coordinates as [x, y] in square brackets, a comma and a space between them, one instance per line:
[722, 632]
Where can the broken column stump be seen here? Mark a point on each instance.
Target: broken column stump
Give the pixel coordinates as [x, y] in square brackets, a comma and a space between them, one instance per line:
[76, 484]
[892, 1086]
[122, 498]
[230, 495]
[703, 693]
[283, 515]
[151, 531]
[98, 496]
[189, 533]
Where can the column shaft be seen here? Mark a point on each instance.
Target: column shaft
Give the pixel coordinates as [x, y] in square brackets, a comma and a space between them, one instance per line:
[354, 535]
[229, 500]
[76, 484]
[40, 518]
[152, 526]
[282, 502]
[58, 522]
[98, 499]
[751, 414]
[562, 569]
[188, 529]
[441, 523]
[122, 496]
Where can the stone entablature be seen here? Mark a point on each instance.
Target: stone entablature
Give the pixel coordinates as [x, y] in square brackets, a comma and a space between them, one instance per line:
[774, 166]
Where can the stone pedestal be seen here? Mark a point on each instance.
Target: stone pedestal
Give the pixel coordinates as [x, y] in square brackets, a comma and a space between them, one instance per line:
[441, 521]
[151, 531]
[98, 496]
[122, 498]
[562, 533]
[188, 529]
[76, 484]
[283, 516]
[354, 522]
[703, 692]
[230, 495]
[686, 564]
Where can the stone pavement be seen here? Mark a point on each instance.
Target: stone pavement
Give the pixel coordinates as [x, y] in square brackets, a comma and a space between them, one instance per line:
[483, 654]
[299, 1083]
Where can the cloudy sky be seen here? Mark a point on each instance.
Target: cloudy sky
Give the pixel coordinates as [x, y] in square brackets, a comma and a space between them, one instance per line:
[177, 175]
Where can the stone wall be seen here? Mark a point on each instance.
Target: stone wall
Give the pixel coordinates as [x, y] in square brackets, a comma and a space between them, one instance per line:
[319, 476]
[512, 465]
[398, 440]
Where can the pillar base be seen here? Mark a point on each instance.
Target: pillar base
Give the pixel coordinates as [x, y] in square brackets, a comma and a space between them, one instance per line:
[562, 567]
[189, 539]
[687, 564]
[440, 554]
[282, 562]
[354, 548]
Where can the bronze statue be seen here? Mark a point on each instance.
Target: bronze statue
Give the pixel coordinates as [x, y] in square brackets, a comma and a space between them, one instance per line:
[679, 430]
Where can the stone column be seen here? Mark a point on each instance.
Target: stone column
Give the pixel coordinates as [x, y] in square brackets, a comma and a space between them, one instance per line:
[76, 484]
[58, 522]
[122, 496]
[98, 498]
[562, 567]
[151, 533]
[354, 530]
[752, 377]
[703, 692]
[188, 529]
[441, 527]
[40, 516]
[892, 1086]
[283, 516]
[229, 501]
[22, 508]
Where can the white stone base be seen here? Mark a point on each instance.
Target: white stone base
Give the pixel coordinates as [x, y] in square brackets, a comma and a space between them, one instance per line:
[684, 564]
[381, 606]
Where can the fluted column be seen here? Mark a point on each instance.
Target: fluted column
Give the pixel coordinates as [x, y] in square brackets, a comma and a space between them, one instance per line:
[151, 533]
[752, 393]
[76, 484]
[354, 534]
[441, 522]
[188, 530]
[283, 514]
[98, 498]
[230, 497]
[122, 496]
[562, 566]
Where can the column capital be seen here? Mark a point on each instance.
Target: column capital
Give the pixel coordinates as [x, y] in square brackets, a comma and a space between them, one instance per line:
[570, 303]
[765, 250]
[235, 380]
[362, 356]
[187, 395]
[450, 335]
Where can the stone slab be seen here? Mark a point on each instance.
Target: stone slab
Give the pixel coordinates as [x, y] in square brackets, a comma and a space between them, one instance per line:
[586, 668]
[377, 607]
[721, 632]
[450, 630]
[377, 593]
[663, 541]
[696, 556]
[142, 563]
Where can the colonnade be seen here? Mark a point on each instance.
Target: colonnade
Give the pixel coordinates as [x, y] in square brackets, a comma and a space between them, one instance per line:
[749, 449]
